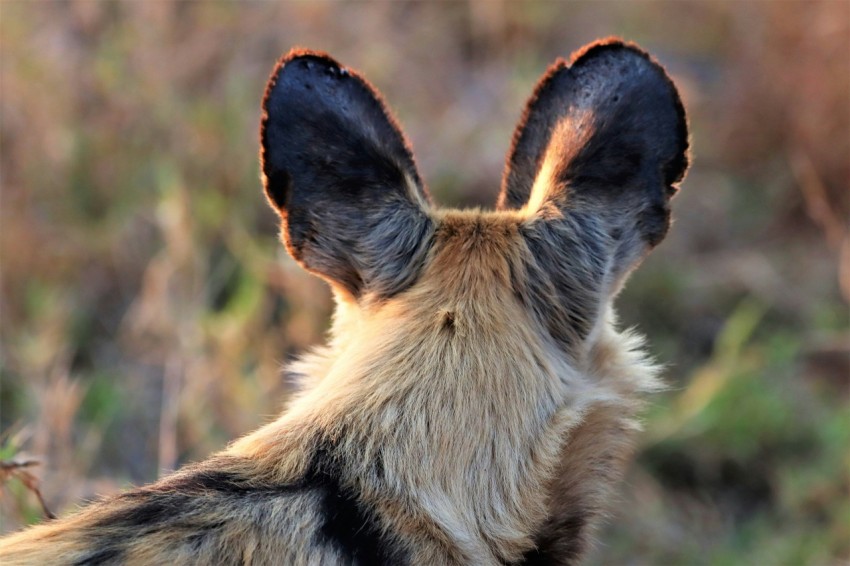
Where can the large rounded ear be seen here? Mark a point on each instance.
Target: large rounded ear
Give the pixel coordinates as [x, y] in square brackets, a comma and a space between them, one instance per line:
[595, 159]
[340, 174]
[606, 130]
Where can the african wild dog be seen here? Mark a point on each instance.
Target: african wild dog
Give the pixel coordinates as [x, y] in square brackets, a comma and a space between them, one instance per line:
[475, 404]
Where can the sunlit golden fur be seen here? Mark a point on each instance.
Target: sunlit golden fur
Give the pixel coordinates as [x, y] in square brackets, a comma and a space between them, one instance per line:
[477, 409]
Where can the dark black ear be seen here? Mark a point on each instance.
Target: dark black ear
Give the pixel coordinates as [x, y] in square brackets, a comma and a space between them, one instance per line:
[607, 130]
[594, 161]
[339, 172]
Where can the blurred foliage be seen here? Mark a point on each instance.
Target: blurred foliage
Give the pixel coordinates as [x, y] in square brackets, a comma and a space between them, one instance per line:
[757, 457]
[147, 306]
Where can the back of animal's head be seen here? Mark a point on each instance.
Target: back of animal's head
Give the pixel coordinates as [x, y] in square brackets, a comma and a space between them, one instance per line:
[585, 192]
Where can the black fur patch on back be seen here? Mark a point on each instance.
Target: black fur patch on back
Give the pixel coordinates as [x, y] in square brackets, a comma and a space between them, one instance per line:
[347, 524]
[101, 556]
[217, 475]
[563, 542]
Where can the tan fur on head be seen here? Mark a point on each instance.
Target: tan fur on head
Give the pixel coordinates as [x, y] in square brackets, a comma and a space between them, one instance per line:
[475, 403]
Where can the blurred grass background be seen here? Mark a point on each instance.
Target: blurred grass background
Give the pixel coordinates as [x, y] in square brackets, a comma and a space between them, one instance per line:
[147, 306]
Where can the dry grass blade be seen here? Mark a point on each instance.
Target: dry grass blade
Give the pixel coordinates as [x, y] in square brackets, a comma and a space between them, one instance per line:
[18, 469]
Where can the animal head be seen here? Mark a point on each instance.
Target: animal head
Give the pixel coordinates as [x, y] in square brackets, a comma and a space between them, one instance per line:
[585, 194]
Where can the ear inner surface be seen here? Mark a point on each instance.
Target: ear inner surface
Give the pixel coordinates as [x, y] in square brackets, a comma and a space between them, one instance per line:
[311, 97]
[339, 172]
[608, 124]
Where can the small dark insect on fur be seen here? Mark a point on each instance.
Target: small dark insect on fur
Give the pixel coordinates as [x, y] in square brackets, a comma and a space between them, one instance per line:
[475, 403]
